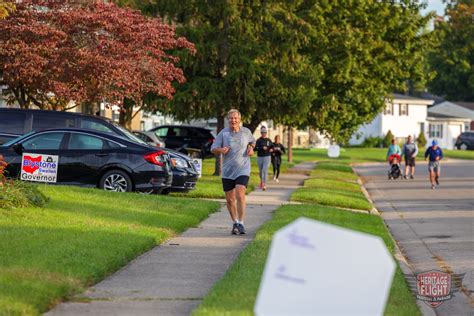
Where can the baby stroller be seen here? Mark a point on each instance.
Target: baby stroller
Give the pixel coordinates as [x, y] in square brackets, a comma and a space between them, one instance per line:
[395, 172]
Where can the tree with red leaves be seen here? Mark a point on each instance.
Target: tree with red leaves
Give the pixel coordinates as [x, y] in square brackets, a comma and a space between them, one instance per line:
[54, 52]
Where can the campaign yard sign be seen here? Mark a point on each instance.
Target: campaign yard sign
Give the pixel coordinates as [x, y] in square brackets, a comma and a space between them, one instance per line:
[39, 167]
[315, 268]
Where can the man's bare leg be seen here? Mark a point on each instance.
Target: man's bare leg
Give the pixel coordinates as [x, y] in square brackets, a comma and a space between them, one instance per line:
[231, 207]
[412, 171]
[406, 170]
[240, 193]
[432, 178]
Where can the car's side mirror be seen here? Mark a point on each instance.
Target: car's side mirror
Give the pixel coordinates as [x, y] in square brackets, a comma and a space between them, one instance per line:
[18, 148]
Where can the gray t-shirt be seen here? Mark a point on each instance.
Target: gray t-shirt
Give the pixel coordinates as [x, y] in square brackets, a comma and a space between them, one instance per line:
[236, 162]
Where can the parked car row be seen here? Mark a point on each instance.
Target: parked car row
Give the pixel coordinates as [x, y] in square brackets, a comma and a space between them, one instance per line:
[91, 151]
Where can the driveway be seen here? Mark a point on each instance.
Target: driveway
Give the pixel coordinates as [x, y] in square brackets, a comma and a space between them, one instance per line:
[434, 228]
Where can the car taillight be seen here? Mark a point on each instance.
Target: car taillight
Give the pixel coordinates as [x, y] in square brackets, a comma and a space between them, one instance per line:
[156, 158]
[210, 140]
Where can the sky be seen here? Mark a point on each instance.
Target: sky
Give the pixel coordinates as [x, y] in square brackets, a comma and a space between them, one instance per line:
[435, 5]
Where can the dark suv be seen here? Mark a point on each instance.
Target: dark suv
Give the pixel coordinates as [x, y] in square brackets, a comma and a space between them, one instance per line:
[182, 137]
[465, 141]
[17, 122]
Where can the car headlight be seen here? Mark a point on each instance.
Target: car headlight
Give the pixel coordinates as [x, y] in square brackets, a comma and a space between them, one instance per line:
[178, 162]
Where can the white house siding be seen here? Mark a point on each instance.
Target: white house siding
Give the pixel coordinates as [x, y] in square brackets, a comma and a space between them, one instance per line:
[403, 125]
[373, 129]
[446, 137]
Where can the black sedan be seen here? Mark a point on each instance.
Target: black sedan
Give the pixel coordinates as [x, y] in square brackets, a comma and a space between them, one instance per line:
[88, 158]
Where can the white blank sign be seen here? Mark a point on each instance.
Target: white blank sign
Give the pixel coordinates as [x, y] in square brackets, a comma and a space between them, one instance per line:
[315, 268]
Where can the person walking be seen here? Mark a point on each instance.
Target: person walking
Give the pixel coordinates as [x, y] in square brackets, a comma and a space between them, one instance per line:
[278, 150]
[435, 154]
[236, 143]
[264, 150]
[393, 156]
[410, 150]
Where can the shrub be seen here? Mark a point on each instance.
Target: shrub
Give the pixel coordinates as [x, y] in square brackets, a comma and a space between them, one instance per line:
[18, 193]
[371, 142]
[421, 140]
[387, 141]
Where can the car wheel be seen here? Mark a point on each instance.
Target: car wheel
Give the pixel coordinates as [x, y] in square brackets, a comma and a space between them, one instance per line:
[165, 192]
[463, 146]
[116, 180]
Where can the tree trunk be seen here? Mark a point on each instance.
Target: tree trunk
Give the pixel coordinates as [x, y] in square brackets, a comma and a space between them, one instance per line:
[90, 108]
[252, 126]
[126, 113]
[220, 127]
[290, 144]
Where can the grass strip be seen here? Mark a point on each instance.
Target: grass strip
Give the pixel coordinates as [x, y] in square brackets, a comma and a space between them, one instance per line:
[236, 292]
[332, 197]
[81, 236]
[333, 175]
[332, 184]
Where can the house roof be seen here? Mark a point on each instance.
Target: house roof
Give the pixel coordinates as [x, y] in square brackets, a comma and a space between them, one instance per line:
[438, 116]
[413, 100]
[467, 105]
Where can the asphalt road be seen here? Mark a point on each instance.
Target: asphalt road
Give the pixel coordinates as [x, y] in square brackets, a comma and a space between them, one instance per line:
[434, 228]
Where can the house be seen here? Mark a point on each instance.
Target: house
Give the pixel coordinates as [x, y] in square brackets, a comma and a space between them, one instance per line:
[456, 109]
[403, 116]
[446, 120]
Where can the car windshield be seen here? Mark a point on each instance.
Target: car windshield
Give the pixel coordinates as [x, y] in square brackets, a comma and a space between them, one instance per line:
[129, 134]
[16, 140]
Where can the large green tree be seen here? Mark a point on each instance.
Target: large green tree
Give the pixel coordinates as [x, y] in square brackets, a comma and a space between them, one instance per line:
[453, 58]
[326, 64]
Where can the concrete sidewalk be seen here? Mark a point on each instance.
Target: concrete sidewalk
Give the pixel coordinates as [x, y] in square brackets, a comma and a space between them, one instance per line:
[172, 279]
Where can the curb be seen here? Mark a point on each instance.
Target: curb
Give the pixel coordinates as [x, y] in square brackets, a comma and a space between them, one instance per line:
[374, 210]
[407, 270]
[398, 255]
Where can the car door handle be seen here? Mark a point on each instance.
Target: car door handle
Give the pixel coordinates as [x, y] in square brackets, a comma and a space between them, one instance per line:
[101, 155]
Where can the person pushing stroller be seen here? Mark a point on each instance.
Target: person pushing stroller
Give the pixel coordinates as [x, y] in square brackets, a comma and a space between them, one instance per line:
[394, 156]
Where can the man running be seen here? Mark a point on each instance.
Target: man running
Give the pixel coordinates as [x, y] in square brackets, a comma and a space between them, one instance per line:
[435, 154]
[410, 150]
[236, 143]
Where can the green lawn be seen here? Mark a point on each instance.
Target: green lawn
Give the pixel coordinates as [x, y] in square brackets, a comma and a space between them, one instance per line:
[80, 237]
[236, 292]
[333, 175]
[332, 197]
[459, 154]
[332, 184]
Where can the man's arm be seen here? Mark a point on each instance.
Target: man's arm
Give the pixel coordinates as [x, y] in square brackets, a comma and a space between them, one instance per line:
[427, 152]
[217, 148]
[416, 150]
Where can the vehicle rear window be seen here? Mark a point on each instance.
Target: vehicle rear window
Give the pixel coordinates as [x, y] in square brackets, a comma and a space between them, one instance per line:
[203, 133]
[13, 123]
[96, 126]
[85, 142]
[161, 132]
[45, 121]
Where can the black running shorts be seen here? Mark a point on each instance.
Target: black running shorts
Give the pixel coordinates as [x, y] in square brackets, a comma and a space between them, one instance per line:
[409, 161]
[229, 184]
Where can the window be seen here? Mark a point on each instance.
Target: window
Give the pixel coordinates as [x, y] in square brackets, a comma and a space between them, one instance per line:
[162, 132]
[436, 130]
[87, 142]
[403, 109]
[96, 126]
[50, 141]
[467, 127]
[388, 109]
[44, 121]
[177, 131]
[13, 123]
